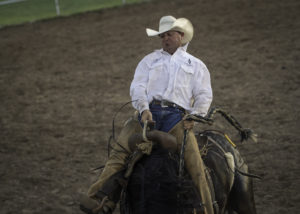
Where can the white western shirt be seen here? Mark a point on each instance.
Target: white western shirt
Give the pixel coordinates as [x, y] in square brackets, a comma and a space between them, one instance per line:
[179, 78]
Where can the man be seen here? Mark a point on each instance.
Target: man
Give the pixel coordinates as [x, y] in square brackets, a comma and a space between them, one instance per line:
[168, 84]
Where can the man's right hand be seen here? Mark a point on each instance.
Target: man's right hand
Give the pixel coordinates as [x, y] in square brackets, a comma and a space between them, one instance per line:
[146, 115]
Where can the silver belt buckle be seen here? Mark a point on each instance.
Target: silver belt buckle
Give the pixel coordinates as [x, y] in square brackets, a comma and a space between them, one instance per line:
[163, 104]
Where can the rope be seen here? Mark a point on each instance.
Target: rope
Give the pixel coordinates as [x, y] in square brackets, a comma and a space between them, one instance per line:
[248, 174]
[112, 137]
[97, 209]
[244, 132]
[114, 117]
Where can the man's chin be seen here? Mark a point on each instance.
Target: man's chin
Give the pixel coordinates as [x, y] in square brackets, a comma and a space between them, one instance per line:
[170, 50]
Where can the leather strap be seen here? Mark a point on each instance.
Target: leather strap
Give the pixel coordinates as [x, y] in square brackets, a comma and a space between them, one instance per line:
[165, 103]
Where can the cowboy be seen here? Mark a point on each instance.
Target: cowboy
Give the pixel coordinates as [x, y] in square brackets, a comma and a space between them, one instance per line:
[168, 85]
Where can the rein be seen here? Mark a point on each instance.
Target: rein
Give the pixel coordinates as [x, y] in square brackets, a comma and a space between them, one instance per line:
[244, 132]
[112, 137]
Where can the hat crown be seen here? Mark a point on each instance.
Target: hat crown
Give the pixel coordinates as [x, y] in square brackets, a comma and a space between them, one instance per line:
[166, 23]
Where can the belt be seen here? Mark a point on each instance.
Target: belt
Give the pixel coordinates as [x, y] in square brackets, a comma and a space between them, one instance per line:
[165, 103]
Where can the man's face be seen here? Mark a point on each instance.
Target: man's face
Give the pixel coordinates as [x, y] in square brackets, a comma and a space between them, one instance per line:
[171, 40]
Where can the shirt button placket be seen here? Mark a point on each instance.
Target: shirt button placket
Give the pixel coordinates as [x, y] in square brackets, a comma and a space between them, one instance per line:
[171, 78]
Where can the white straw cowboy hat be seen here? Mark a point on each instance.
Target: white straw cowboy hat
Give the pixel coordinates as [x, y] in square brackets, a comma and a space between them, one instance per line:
[167, 23]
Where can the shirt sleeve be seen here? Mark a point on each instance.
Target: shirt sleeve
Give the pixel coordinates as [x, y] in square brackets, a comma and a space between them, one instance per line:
[138, 87]
[202, 92]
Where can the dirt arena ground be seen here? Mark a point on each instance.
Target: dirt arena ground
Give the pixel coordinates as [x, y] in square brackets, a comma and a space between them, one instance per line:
[62, 80]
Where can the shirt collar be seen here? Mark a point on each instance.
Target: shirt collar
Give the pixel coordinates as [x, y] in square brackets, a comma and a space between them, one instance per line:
[181, 48]
[184, 47]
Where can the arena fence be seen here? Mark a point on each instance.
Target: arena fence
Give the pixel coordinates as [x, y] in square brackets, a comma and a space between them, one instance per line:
[20, 11]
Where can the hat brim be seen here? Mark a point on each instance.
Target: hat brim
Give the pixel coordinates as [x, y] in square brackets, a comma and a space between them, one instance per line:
[151, 32]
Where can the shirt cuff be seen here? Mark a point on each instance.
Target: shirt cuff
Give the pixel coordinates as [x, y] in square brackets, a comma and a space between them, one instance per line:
[199, 113]
[143, 106]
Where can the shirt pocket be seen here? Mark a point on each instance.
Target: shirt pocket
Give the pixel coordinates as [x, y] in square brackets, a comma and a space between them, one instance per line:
[155, 72]
[185, 76]
[157, 78]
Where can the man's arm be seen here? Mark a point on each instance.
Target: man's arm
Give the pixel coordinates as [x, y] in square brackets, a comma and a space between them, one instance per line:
[202, 92]
[138, 87]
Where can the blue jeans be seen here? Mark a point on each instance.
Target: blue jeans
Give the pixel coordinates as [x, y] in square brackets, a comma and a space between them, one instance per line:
[165, 118]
